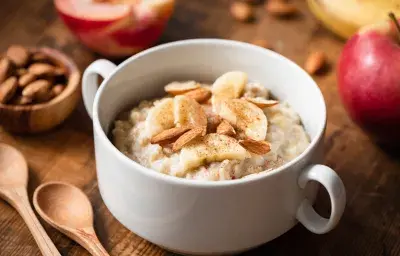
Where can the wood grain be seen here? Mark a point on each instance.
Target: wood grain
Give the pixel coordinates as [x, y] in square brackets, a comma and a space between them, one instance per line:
[371, 222]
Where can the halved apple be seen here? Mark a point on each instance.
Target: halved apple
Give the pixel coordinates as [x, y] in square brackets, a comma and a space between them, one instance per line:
[116, 28]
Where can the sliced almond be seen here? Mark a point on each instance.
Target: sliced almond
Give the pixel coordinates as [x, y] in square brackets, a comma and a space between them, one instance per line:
[315, 61]
[26, 79]
[280, 8]
[257, 147]
[8, 89]
[200, 94]
[4, 69]
[41, 69]
[226, 129]
[57, 90]
[169, 134]
[177, 88]
[262, 103]
[187, 137]
[242, 11]
[18, 55]
[36, 89]
[22, 100]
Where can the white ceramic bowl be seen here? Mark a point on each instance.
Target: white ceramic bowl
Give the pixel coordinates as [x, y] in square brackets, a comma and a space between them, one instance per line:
[200, 217]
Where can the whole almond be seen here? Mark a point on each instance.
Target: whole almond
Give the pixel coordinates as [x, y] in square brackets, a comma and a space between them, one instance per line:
[226, 128]
[26, 79]
[177, 88]
[315, 61]
[18, 55]
[4, 69]
[262, 43]
[36, 89]
[8, 89]
[256, 147]
[57, 90]
[21, 100]
[200, 95]
[41, 69]
[187, 137]
[168, 135]
[242, 11]
[280, 8]
[40, 57]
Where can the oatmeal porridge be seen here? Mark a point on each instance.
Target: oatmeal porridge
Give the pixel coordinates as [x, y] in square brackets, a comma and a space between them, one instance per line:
[228, 130]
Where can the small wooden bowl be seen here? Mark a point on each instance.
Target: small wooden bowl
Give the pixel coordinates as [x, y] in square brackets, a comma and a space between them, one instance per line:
[42, 117]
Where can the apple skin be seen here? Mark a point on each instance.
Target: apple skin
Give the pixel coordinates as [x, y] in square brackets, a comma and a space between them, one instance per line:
[369, 81]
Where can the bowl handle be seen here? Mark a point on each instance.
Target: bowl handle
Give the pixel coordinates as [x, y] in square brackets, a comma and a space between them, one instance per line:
[90, 83]
[334, 185]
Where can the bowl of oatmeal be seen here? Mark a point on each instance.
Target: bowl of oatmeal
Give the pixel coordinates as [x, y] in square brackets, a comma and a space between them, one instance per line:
[198, 141]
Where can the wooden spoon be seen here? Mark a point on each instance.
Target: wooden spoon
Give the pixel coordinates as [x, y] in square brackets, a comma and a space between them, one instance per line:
[13, 184]
[66, 208]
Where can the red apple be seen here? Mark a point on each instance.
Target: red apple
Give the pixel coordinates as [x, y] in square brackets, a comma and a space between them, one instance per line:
[369, 80]
[116, 28]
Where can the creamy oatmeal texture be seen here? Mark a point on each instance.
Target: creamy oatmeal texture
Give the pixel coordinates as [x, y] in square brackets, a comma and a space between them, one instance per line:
[229, 130]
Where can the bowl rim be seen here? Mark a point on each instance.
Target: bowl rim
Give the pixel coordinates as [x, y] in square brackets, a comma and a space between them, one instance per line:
[106, 142]
[72, 85]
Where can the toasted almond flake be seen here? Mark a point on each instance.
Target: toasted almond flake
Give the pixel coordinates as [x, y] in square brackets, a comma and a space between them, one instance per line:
[262, 103]
[169, 134]
[257, 147]
[187, 137]
[315, 61]
[177, 88]
[226, 129]
[200, 94]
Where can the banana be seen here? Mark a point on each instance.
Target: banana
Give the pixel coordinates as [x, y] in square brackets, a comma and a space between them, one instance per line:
[211, 148]
[160, 117]
[188, 112]
[245, 117]
[228, 86]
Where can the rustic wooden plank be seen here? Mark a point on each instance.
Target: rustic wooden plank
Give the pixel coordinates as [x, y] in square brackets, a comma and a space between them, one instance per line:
[371, 221]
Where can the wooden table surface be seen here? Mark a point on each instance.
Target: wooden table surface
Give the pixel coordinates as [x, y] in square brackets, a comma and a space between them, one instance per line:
[371, 221]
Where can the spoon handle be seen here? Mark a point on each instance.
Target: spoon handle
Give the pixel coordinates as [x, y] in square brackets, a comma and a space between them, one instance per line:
[88, 239]
[18, 198]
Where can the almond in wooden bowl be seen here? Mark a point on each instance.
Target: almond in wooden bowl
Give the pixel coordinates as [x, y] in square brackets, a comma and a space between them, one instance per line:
[47, 89]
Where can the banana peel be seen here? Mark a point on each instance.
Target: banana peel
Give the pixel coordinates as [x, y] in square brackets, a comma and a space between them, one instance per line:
[345, 17]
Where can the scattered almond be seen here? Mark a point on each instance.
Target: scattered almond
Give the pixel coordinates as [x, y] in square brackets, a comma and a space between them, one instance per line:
[26, 79]
[22, 100]
[200, 94]
[36, 89]
[315, 61]
[242, 11]
[256, 147]
[177, 88]
[4, 69]
[262, 103]
[8, 89]
[262, 43]
[18, 55]
[41, 69]
[212, 123]
[187, 137]
[226, 129]
[280, 8]
[57, 90]
[169, 134]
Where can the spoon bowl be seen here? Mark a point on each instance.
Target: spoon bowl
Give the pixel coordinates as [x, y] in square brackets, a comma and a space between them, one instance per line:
[13, 167]
[66, 208]
[65, 205]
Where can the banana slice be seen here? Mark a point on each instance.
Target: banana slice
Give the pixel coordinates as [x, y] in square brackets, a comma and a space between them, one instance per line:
[211, 148]
[245, 117]
[188, 112]
[160, 117]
